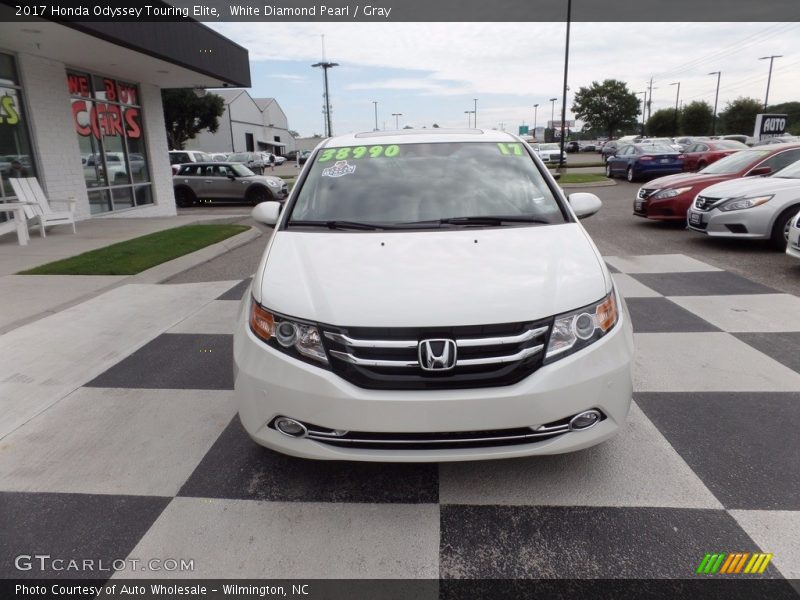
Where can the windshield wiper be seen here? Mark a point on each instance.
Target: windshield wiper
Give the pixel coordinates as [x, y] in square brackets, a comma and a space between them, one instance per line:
[340, 225]
[484, 220]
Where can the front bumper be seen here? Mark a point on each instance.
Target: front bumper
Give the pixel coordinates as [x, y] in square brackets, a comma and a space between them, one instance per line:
[269, 383]
[668, 209]
[750, 223]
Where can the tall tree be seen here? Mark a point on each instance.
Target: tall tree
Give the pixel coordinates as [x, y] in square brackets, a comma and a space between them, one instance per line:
[696, 118]
[186, 114]
[739, 116]
[607, 106]
[662, 123]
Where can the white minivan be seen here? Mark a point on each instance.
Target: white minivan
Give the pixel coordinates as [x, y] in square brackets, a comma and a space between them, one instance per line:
[430, 296]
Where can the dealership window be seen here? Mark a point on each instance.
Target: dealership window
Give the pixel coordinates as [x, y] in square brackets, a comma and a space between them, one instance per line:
[107, 116]
[16, 156]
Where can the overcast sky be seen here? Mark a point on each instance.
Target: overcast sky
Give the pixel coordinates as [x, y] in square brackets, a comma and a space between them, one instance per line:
[431, 72]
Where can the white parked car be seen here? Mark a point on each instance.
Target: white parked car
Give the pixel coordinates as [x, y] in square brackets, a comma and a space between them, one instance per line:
[793, 247]
[549, 153]
[431, 297]
[753, 207]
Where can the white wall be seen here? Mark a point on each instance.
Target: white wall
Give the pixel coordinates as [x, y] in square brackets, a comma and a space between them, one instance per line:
[49, 114]
[56, 144]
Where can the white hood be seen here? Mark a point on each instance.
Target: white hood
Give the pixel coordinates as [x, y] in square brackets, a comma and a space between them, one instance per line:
[750, 186]
[430, 278]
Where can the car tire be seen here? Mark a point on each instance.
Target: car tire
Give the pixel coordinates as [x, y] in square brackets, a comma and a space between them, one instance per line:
[184, 197]
[780, 229]
[609, 174]
[629, 175]
[258, 195]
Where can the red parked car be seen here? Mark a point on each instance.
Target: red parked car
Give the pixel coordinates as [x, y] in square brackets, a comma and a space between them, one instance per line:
[701, 154]
[668, 198]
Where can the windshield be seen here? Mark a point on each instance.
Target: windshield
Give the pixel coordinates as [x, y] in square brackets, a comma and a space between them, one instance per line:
[550, 147]
[240, 157]
[730, 145]
[410, 183]
[790, 172]
[735, 162]
[241, 170]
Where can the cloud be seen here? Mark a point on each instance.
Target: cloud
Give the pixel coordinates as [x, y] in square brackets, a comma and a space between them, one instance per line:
[289, 77]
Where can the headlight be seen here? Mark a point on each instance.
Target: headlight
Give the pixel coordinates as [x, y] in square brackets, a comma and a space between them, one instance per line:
[285, 334]
[664, 194]
[576, 330]
[274, 183]
[743, 203]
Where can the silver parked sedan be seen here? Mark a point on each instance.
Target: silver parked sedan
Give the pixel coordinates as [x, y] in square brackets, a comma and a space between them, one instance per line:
[752, 207]
[228, 182]
[793, 249]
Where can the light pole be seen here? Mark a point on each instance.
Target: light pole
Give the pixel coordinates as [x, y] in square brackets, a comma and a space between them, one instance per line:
[644, 100]
[475, 100]
[469, 117]
[677, 98]
[564, 93]
[535, 118]
[397, 119]
[552, 116]
[325, 66]
[375, 102]
[716, 99]
[769, 79]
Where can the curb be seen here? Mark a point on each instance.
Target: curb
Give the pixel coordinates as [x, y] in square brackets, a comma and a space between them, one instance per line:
[155, 274]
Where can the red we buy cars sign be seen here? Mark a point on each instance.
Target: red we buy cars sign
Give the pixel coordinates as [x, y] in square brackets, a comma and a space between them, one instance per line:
[104, 114]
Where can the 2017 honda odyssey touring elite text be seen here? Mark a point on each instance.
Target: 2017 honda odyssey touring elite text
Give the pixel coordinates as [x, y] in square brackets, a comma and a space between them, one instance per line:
[430, 296]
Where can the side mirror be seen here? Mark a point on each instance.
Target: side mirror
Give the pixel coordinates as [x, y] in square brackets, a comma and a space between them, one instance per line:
[584, 204]
[266, 212]
[758, 171]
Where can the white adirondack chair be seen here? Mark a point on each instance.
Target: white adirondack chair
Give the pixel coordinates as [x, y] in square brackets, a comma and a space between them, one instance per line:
[28, 190]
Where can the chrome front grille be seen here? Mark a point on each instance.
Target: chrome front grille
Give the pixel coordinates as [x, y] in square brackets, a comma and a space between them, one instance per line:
[489, 355]
[705, 202]
[645, 193]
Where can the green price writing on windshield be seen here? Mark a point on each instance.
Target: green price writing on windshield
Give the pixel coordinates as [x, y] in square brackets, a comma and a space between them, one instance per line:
[359, 152]
[510, 149]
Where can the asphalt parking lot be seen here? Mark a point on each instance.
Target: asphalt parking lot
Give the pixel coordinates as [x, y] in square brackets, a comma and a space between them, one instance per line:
[145, 456]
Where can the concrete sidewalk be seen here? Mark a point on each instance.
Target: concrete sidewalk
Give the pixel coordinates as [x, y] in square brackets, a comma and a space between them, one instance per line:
[27, 298]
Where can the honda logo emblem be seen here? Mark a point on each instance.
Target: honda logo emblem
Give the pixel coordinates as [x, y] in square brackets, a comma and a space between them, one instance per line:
[437, 355]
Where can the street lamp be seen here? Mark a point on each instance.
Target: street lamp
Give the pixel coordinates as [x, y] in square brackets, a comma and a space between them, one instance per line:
[325, 65]
[375, 102]
[535, 118]
[769, 79]
[566, 88]
[397, 119]
[677, 98]
[475, 100]
[553, 110]
[716, 99]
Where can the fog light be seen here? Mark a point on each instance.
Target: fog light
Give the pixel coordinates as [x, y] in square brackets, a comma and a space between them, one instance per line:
[286, 334]
[584, 420]
[290, 427]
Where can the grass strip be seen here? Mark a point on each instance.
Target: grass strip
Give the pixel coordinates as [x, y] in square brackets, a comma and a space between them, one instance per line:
[141, 253]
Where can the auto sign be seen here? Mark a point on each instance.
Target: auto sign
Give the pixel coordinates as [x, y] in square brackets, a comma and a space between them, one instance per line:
[768, 126]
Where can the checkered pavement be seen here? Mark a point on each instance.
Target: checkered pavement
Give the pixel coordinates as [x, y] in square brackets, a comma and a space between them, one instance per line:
[138, 452]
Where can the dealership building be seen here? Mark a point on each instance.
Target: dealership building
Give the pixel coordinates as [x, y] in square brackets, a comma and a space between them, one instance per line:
[80, 106]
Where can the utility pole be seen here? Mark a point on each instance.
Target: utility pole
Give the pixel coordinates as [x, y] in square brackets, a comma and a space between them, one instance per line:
[397, 119]
[769, 79]
[677, 98]
[535, 118]
[375, 102]
[475, 100]
[716, 100]
[650, 101]
[644, 101]
[469, 118]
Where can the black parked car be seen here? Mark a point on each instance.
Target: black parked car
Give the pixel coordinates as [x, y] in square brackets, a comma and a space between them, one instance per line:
[573, 146]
